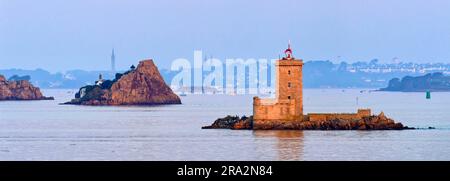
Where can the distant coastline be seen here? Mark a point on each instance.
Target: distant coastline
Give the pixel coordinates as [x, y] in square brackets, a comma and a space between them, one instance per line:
[19, 88]
[436, 82]
[141, 85]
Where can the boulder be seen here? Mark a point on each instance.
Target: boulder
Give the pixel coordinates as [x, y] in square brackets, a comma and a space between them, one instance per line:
[142, 85]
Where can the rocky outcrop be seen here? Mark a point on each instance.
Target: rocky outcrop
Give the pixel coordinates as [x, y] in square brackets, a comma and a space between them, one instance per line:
[143, 85]
[20, 90]
[380, 122]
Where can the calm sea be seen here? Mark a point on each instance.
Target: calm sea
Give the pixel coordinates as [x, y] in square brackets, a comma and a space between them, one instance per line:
[44, 130]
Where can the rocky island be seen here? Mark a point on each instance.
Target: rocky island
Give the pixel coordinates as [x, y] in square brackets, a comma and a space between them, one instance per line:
[373, 122]
[142, 85]
[285, 111]
[429, 82]
[19, 90]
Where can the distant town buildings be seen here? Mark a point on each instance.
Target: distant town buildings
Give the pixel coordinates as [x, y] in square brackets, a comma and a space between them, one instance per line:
[399, 67]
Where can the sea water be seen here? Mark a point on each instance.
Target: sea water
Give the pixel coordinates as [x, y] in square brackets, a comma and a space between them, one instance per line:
[45, 130]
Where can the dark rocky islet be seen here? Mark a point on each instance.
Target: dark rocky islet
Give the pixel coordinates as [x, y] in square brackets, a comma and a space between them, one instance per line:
[141, 85]
[15, 89]
[374, 122]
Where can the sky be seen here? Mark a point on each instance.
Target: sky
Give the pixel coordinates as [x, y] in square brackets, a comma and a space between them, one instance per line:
[80, 34]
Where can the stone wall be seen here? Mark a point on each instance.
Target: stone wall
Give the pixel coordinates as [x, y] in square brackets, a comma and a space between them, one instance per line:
[361, 113]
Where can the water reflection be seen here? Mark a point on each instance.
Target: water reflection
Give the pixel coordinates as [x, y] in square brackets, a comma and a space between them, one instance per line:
[289, 144]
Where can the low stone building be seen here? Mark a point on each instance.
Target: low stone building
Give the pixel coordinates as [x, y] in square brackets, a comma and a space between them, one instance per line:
[287, 104]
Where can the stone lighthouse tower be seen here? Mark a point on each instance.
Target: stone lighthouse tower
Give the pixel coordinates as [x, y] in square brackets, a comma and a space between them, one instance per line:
[288, 103]
[289, 85]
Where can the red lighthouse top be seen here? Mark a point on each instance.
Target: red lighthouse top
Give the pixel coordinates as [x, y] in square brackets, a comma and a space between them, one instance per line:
[288, 51]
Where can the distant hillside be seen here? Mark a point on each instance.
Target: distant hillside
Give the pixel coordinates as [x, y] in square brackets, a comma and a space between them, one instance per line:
[316, 74]
[428, 82]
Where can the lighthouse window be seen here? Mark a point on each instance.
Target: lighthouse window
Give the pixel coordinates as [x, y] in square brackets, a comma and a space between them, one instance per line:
[289, 72]
[289, 84]
[289, 97]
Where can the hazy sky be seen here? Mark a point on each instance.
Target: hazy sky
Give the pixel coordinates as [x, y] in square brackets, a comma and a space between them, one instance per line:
[79, 34]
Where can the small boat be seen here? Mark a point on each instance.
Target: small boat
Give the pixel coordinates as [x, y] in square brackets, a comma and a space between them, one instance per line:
[183, 94]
